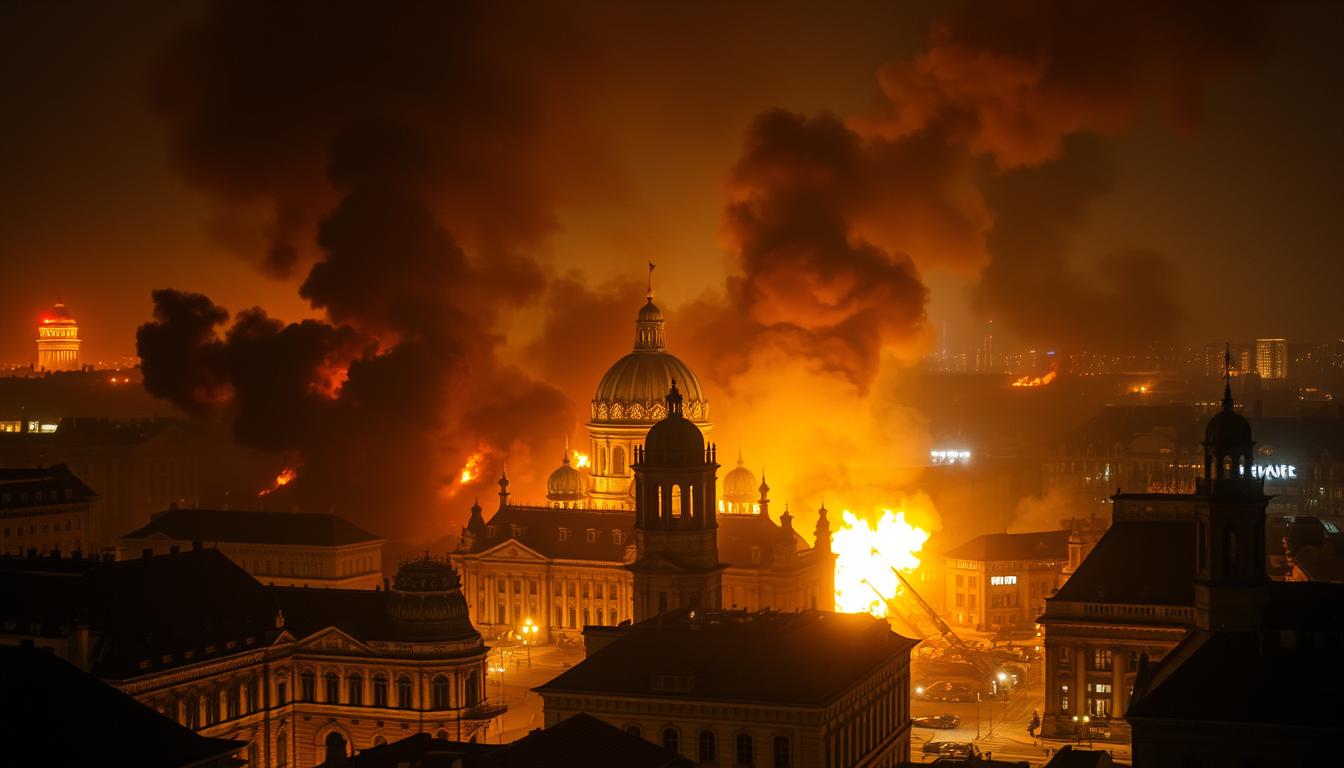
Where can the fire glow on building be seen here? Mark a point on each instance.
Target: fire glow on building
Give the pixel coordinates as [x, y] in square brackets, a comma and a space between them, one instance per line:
[867, 551]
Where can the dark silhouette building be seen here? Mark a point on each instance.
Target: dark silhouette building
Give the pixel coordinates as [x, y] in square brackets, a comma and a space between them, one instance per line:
[676, 529]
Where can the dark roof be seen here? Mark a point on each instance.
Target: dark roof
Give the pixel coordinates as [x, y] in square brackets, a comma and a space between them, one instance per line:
[539, 529]
[583, 740]
[1039, 545]
[1247, 677]
[803, 658]
[42, 487]
[578, 740]
[47, 701]
[1141, 562]
[139, 611]
[1068, 757]
[254, 527]
[739, 533]
[360, 613]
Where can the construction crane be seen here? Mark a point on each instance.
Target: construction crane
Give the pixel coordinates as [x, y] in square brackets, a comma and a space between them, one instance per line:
[973, 656]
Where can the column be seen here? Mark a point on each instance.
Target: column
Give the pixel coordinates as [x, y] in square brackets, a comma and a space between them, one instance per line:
[1078, 689]
[1119, 666]
[1051, 679]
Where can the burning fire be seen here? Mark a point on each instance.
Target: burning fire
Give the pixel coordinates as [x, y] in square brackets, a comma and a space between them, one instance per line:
[330, 379]
[580, 460]
[472, 469]
[1037, 381]
[285, 477]
[1141, 389]
[866, 553]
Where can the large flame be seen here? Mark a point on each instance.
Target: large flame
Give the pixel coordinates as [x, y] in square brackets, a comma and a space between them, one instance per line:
[285, 477]
[866, 552]
[472, 469]
[581, 460]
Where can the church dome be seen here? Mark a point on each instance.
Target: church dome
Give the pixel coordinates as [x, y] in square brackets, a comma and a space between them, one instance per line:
[739, 485]
[674, 441]
[565, 483]
[633, 387]
[426, 603]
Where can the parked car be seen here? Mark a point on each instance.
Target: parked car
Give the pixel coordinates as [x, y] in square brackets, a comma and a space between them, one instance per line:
[962, 749]
[936, 721]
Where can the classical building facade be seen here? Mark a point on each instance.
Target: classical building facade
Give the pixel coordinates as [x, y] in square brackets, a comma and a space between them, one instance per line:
[297, 675]
[58, 341]
[999, 581]
[809, 688]
[286, 549]
[46, 510]
[566, 564]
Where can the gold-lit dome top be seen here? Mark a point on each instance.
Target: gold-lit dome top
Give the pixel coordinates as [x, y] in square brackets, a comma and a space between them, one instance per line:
[632, 390]
[739, 485]
[565, 483]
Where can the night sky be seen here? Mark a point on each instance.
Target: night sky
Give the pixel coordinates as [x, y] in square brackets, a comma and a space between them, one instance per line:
[462, 199]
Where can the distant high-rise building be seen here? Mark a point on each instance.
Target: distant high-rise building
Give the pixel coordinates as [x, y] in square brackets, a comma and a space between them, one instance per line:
[58, 341]
[1271, 358]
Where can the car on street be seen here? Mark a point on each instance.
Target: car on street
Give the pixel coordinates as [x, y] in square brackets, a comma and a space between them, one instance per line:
[936, 721]
[943, 690]
[962, 749]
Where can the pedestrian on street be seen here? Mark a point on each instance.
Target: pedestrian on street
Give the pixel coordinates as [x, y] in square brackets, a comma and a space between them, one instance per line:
[1034, 724]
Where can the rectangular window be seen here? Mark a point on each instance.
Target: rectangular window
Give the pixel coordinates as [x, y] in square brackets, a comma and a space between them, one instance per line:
[1101, 659]
[281, 693]
[961, 580]
[1063, 698]
[961, 600]
[572, 618]
[1099, 699]
[585, 590]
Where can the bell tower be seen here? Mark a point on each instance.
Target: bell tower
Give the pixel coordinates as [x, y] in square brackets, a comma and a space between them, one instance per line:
[676, 529]
[1230, 574]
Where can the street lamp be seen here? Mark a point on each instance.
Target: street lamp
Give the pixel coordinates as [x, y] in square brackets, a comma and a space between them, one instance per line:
[1079, 726]
[528, 633]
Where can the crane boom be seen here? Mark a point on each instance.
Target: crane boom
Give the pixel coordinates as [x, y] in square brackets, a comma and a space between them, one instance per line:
[970, 654]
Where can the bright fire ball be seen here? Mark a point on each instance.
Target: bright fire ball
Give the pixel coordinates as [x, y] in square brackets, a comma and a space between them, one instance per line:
[867, 552]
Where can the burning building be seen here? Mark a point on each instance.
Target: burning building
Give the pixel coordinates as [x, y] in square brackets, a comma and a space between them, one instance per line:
[563, 564]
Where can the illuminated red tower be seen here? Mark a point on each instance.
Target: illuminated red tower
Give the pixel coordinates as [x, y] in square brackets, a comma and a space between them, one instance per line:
[58, 341]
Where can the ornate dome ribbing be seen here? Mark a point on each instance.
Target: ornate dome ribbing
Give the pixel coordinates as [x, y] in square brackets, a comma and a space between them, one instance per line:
[633, 387]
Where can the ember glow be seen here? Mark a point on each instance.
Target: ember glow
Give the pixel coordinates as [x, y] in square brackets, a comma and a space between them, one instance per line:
[285, 477]
[866, 551]
[581, 460]
[472, 469]
[1037, 381]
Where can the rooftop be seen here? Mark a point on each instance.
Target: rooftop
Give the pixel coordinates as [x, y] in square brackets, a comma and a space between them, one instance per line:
[42, 487]
[1141, 562]
[807, 658]
[1039, 545]
[254, 527]
[47, 700]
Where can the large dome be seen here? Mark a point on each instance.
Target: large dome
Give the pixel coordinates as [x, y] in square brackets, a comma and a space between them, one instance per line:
[426, 603]
[632, 390]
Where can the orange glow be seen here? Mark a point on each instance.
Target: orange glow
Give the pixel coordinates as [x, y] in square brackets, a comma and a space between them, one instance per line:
[866, 552]
[1037, 381]
[472, 469]
[1141, 389]
[285, 477]
[330, 380]
[580, 460]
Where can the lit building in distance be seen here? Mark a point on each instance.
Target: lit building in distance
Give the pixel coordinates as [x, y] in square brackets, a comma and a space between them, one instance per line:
[999, 581]
[297, 676]
[565, 564]
[811, 688]
[46, 510]
[287, 549]
[1271, 358]
[58, 341]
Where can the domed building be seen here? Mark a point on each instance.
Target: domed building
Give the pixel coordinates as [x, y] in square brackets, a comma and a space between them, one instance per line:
[58, 341]
[629, 400]
[556, 567]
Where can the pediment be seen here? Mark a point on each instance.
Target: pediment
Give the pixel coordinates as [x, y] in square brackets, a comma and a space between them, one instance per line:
[331, 639]
[512, 549]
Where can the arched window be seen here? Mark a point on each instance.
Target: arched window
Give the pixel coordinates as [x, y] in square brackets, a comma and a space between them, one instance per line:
[336, 751]
[473, 688]
[602, 460]
[354, 689]
[677, 511]
[672, 740]
[618, 460]
[634, 730]
[331, 687]
[281, 749]
[438, 692]
[404, 692]
[709, 747]
[380, 690]
[307, 686]
[746, 749]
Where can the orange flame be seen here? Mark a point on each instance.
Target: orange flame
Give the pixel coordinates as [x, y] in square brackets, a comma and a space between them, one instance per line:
[330, 380]
[472, 469]
[1037, 381]
[285, 477]
[866, 552]
[1141, 389]
[580, 460]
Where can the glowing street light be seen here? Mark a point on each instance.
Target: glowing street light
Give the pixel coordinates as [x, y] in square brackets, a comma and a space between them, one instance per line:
[528, 634]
